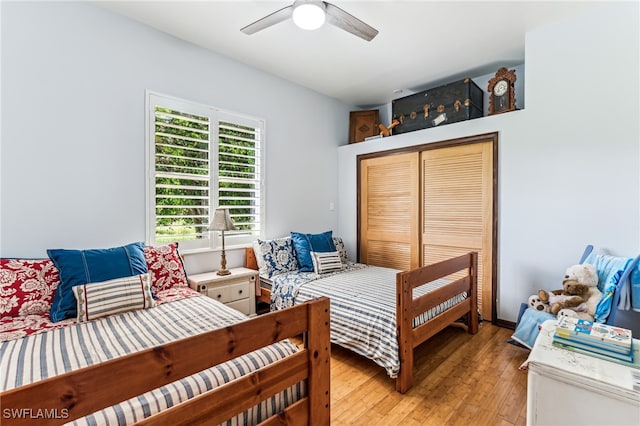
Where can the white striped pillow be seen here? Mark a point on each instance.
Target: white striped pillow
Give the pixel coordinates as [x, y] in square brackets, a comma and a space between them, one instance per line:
[96, 300]
[324, 262]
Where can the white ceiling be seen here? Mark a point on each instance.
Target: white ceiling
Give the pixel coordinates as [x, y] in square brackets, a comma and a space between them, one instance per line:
[421, 43]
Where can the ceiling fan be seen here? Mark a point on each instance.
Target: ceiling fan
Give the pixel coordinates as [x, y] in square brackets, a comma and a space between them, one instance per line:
[311, 15]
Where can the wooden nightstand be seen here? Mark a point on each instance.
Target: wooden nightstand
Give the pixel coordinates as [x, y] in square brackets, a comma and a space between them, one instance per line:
[237, 290]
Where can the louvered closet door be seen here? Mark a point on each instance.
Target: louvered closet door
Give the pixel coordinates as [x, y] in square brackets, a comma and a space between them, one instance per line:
[389, 211]
[457, 209]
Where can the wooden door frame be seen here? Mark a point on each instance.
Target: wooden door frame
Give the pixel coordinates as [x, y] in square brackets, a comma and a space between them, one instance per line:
[485, 137]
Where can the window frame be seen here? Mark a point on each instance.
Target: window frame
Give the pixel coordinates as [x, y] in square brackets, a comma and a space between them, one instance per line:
[215, 115]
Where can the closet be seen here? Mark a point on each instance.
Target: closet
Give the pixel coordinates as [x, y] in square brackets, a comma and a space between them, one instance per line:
[422, 204]
[390, 205]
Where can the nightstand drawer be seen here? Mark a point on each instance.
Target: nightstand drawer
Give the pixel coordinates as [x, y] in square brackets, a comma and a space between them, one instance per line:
[221, 294]
[227, 293]
[236, 289]
[243, 306]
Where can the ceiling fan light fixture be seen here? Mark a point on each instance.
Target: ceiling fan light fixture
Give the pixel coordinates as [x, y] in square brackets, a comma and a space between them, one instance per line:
[309, 16]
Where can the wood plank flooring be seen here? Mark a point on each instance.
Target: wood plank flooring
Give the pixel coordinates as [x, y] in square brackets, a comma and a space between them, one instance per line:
[459, 380]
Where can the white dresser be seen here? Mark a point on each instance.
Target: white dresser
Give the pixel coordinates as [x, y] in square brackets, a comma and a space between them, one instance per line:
[238, 289]
[568, 388]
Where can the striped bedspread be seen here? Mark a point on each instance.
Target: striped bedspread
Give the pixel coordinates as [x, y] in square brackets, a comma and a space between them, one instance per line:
[61, 350]
[363, 309]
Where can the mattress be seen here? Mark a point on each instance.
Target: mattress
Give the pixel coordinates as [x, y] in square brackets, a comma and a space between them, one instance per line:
[53, 352]
[363, 307]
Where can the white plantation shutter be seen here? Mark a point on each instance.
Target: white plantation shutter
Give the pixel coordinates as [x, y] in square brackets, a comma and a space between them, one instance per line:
[182, 177]
[200, 158]
[239, 172]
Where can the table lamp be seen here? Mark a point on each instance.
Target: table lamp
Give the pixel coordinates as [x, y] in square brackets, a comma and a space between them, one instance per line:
[222, 222]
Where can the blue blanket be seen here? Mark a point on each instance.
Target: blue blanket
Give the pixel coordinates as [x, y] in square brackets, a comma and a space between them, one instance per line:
[610, 268]
[607, 266]
[528, 328]
[634, 284]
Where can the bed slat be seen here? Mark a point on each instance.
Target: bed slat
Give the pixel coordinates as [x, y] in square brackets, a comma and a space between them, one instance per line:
[434, 298]
[295, 414]
[220, 404]
[420, 276]
[428, 329]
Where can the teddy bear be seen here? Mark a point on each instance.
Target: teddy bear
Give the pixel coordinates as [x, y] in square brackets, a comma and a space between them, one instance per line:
[573, 296]
[582, 281]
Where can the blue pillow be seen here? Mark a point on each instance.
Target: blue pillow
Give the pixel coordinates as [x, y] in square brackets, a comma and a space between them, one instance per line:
[278, 256]
[304, 244]
[77, 267]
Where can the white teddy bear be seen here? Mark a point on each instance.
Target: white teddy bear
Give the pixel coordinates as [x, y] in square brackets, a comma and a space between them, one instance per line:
[584, 274]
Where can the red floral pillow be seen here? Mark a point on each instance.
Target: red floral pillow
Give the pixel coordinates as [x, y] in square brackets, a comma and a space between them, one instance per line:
[165, 265]
[27, 286]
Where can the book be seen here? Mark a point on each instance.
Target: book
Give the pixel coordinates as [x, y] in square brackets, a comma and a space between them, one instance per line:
[568, 327]
[609, 356]
[592, 342]
[628, 356]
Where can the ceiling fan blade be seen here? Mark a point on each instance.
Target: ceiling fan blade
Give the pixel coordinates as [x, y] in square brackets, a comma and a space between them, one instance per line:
[350, 23]
[269, 20]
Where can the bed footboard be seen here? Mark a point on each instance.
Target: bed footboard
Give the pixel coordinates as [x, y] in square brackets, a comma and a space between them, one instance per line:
[90, 389]
[408, 307]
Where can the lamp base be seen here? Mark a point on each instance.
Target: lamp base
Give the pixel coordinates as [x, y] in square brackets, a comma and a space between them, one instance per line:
[223, 272]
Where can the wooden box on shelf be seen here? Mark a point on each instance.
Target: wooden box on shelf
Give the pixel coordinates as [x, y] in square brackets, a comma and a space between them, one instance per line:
[363, 124]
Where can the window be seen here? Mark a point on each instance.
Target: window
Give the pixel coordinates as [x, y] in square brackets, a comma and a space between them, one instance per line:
[200, 158]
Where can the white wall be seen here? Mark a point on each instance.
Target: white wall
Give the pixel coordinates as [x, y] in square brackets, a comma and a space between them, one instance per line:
[568, 163]
[73, 92]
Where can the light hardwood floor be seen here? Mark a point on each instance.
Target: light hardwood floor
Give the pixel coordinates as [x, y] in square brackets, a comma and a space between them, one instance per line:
[459, 380]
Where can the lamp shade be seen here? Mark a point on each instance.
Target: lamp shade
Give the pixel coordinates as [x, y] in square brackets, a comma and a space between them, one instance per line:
[221, 221]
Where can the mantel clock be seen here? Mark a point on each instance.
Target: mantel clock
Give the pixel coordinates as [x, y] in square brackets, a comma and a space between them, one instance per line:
[502, 97]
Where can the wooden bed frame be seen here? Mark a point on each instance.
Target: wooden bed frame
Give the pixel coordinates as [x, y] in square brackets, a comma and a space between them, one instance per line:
[408, 307]
[82, 392]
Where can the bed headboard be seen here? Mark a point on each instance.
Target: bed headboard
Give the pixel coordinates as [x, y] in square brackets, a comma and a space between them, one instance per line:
[250, 260]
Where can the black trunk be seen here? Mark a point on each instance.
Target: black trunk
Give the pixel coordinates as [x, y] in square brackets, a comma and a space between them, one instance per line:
[453, 102]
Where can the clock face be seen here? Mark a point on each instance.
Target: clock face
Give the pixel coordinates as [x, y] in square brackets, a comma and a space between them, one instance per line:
[500, 88]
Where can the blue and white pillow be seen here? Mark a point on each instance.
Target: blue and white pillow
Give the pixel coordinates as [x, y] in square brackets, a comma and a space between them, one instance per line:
[97, 300]
[340, 248]
[325, 262]
[304, 244]
[77, 267]
[277, 256]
